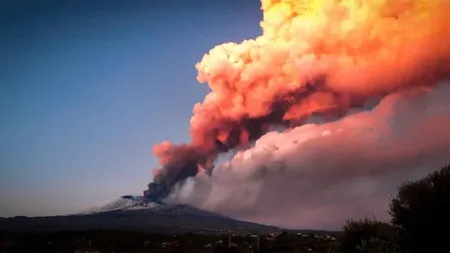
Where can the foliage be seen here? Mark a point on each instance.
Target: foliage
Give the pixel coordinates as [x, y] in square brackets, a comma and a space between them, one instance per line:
[420, 218]
[367, 235]
[420, 212]
[377, 245]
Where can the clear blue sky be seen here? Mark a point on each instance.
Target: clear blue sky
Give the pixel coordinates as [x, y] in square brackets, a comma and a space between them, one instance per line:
[87, 87]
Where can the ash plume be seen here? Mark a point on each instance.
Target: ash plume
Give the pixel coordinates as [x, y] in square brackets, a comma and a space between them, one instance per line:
[313, 58]
[319, 175]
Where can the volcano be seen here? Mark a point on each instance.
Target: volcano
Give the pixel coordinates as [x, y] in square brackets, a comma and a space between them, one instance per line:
[136, 213]
[129, 203]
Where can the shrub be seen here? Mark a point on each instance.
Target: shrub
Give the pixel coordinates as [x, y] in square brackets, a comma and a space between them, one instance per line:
[367, 235]
[420, 212]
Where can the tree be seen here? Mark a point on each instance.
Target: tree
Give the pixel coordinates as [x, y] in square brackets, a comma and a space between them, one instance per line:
[421, 213]
[367, 235]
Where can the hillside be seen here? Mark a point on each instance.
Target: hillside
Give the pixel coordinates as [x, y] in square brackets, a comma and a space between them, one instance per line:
[137, 214]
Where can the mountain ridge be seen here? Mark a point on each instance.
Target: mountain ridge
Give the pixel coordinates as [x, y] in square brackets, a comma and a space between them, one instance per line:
[136, 213]
[134, 203]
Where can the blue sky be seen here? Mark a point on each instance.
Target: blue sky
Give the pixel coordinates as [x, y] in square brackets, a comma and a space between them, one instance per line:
[87, 87]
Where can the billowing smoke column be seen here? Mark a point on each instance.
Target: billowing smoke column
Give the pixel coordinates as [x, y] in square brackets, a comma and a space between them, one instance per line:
[317, 57]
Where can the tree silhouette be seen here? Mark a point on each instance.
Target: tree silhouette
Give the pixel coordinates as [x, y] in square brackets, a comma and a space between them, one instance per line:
[421, 213]
[361, 235]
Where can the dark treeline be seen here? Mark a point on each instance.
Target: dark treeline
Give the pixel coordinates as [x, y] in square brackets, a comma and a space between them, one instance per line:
[128, 241]
[420, 219]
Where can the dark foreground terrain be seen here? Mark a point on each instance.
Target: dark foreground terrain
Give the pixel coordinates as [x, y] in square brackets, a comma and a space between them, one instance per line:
[177, 219]
[128, 241]
[419, 215]
[156, 228]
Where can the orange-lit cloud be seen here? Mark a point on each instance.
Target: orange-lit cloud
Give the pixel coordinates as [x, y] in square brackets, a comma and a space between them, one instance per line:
[318, 57]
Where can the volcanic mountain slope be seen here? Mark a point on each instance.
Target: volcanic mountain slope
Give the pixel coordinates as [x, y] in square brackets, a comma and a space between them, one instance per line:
[127, 203]
[134, 203]
[135, 213]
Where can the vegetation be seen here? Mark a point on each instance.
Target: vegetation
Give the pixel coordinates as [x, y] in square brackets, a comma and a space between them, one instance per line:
[419, 219]
[421, 211]
[368, 235]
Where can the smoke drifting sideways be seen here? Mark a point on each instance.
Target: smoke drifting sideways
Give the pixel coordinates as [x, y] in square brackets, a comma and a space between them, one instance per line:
[319, 57]
[319, 175]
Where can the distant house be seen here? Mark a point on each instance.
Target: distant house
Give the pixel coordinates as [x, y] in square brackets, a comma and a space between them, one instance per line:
[87, 251]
